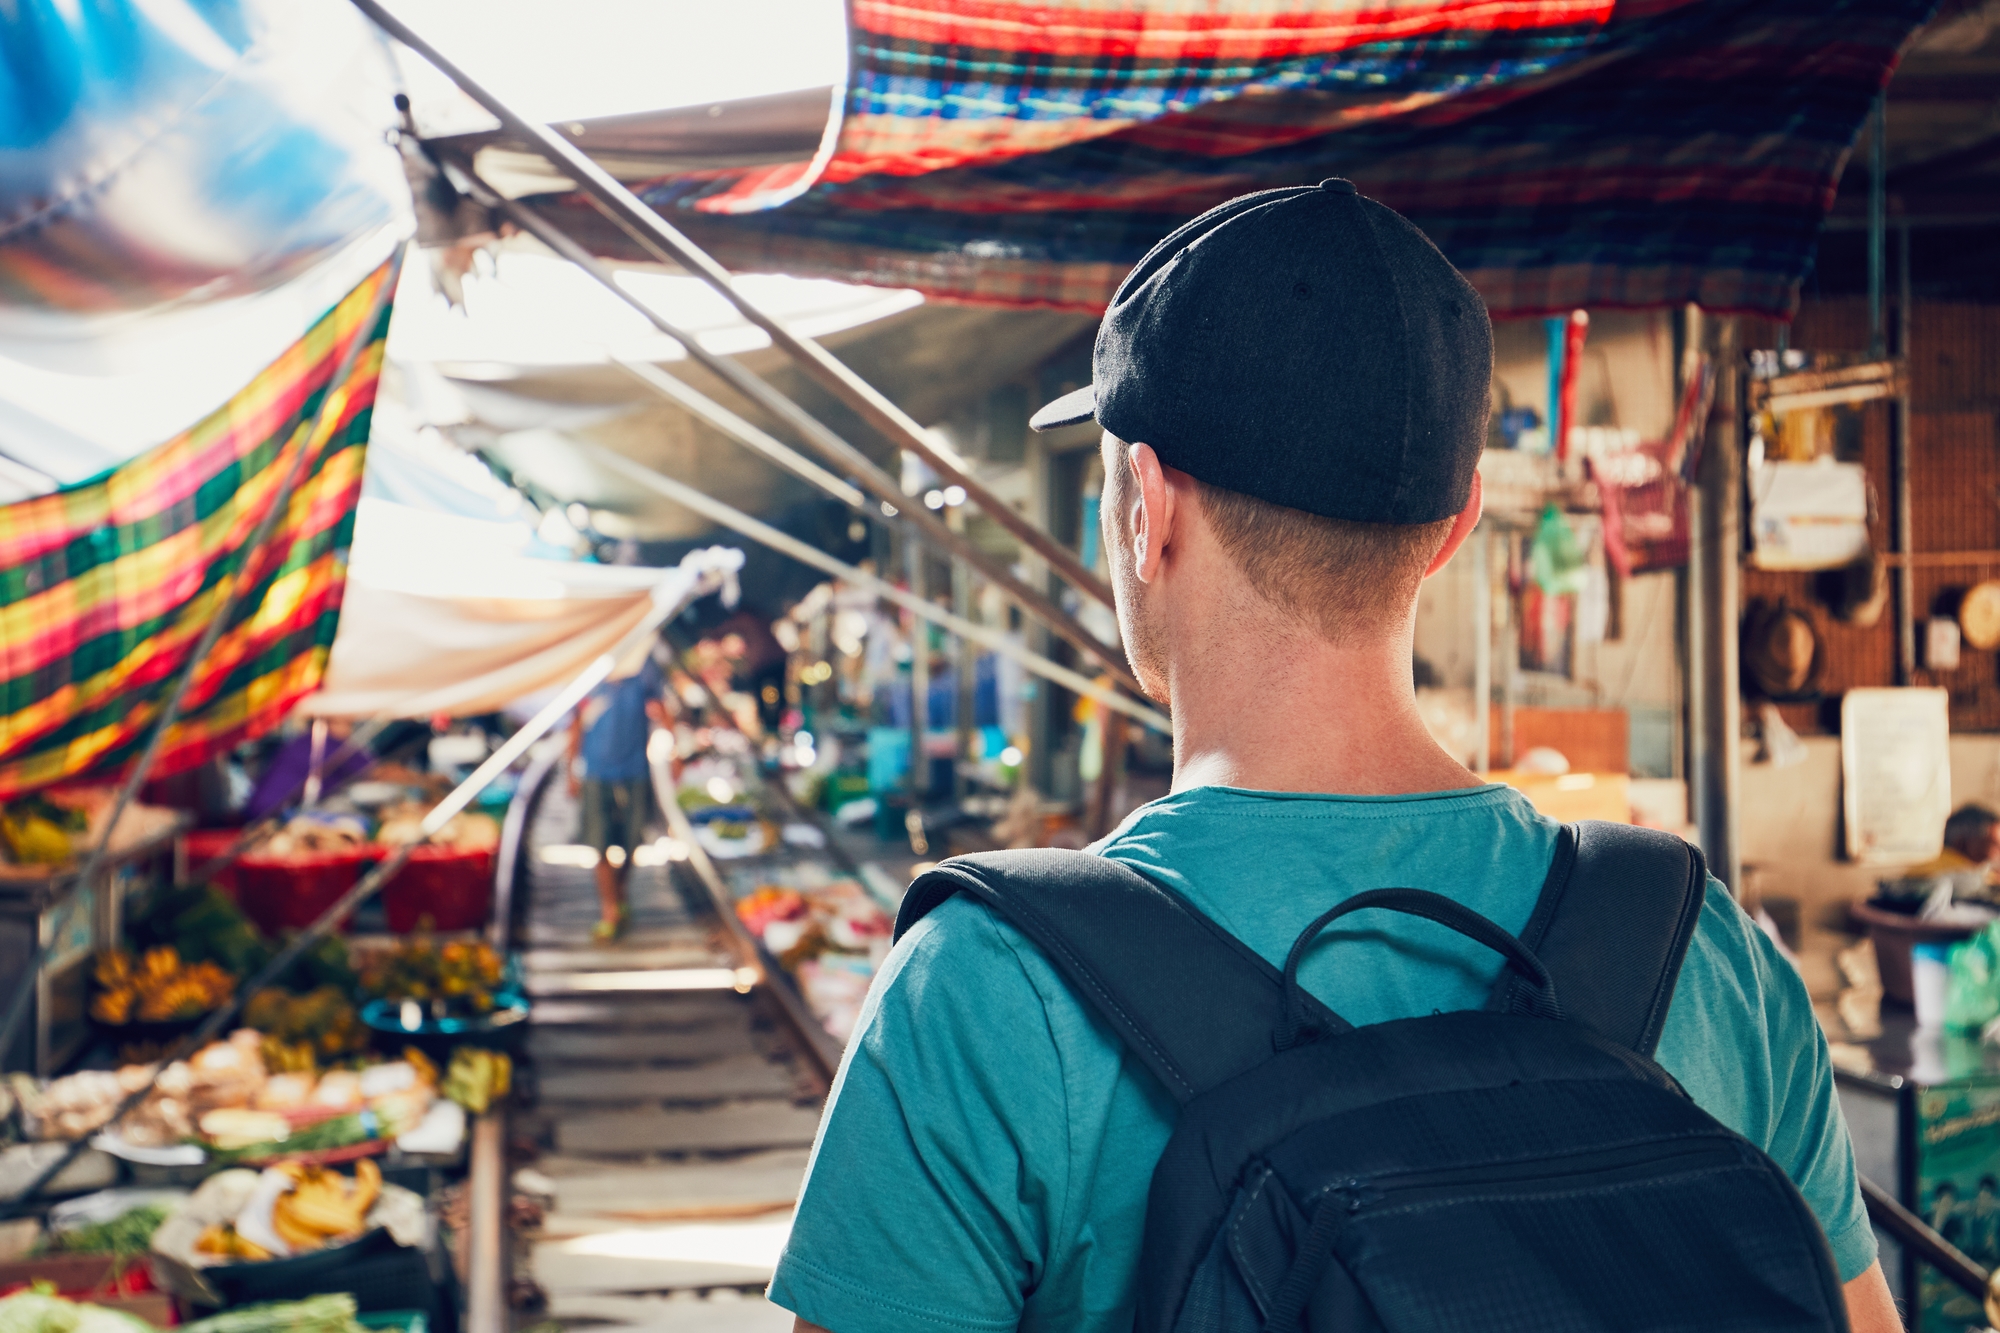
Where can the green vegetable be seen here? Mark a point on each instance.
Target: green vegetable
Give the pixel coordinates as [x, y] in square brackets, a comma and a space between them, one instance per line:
[331, 1313]
[477, 1078]
[337, 1132]
[39, 1311]
[203, 925]
[126, 1236]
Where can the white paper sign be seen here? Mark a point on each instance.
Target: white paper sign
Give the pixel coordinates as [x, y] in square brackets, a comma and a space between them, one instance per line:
[1895, 760]
[1808, 515]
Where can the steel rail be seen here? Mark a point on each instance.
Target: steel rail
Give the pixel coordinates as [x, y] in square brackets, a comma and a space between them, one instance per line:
[669, 245]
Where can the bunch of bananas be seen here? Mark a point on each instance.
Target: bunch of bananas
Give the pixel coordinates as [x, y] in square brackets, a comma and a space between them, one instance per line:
[157, 987]
[221, 1239]
[478, 1078]
[34, 831]
[324, 1205]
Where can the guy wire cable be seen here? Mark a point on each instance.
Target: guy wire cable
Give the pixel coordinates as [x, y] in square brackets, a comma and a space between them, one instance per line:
[830, 446]
[667, 243]
[731, 517]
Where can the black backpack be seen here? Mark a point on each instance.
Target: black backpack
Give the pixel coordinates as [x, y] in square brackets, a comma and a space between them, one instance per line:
[1522, 1167]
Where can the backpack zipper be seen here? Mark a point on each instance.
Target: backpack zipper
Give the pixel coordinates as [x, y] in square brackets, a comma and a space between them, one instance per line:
[1607, 1166]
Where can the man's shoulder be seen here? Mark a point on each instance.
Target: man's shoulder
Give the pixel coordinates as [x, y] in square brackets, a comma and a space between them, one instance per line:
[963, 950]
[1739, 1006]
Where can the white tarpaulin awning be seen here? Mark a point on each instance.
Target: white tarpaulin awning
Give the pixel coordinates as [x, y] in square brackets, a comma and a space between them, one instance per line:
[443, 614]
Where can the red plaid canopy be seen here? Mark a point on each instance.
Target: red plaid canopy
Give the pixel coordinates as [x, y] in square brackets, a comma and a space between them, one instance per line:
[1563, 153]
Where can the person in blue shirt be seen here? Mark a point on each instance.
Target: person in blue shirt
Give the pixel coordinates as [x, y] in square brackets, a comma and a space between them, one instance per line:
[613, 780]
[1293, 393]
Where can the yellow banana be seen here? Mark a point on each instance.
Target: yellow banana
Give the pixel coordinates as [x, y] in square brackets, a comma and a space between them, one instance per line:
[326, 1208]
[367, 1187]
[291, 1229]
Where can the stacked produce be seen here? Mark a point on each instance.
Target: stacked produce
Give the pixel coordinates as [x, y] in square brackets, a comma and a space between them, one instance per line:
[36, 1311]
[478, 1078]
[124, 1237]
[42, 1311]
[157, 987]
[312, 835]
[225, 1100]
[50, 830]
[307, 1208]
[36, 831]
[301, 1031]
[319, 833]
[467, 831]
[826, 930]
[459, 978]
[287, 1209]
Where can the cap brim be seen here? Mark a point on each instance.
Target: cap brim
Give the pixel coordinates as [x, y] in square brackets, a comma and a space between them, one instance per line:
[1068, 410]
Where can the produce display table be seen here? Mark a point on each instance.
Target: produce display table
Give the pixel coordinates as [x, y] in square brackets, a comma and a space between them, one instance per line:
[816, 920]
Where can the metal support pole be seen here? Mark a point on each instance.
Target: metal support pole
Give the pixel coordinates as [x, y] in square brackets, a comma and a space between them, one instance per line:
[784, 543]
[920, 679]
[1916, 1234]
[1899, 480]
[965, 666]
[1482, 646]
[666, 243]
[1510, 659]
[824, 441]
[1714, 697]
[1878, 202]
[486, 1266]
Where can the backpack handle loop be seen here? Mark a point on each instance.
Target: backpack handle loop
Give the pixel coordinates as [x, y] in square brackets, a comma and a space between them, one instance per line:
[1540, 1001]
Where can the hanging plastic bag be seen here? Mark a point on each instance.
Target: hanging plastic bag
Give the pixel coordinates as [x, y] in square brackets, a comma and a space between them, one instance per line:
[1972, 981]
[1556, 560]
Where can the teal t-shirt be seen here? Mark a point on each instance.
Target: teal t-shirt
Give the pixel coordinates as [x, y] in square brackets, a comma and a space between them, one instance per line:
[985, 1155]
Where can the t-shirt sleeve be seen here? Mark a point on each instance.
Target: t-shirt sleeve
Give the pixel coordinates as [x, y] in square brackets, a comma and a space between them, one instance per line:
[938, 1177]
[1742, 1038]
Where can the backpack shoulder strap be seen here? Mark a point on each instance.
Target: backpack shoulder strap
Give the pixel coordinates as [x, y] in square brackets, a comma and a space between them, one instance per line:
[1193, 1003]
[1612, 925]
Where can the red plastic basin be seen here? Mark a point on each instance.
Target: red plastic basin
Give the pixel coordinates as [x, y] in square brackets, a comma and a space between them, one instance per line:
[289, 893]
[453, 888]
[202, 845]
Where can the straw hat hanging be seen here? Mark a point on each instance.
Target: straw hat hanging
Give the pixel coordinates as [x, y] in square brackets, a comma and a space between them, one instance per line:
[1782, 653]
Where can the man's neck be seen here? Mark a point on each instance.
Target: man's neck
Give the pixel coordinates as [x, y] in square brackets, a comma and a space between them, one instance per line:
[1271, 706]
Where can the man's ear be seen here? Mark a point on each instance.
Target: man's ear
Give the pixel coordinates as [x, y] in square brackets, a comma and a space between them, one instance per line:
[1461, 527]
[1152, 511]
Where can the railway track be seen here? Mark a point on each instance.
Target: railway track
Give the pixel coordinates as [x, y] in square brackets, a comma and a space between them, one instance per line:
[671, 1115]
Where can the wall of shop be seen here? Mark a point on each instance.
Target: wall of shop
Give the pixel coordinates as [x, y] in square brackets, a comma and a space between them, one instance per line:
[1954, 361]
[1625, 381]
[1792, 843]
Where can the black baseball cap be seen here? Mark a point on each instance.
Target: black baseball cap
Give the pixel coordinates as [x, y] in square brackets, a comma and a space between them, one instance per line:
[1307, 346]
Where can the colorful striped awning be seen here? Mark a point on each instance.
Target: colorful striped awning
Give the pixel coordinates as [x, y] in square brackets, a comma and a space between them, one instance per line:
[106, 586]
[1563, 153]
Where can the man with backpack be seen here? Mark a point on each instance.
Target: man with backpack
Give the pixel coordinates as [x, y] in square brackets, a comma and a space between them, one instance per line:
[1334, 1036]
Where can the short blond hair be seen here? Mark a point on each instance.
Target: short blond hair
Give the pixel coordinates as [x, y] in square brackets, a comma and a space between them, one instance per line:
[1339, 576]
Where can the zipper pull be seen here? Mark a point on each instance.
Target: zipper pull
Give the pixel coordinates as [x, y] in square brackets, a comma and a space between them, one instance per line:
[1358, 1193]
